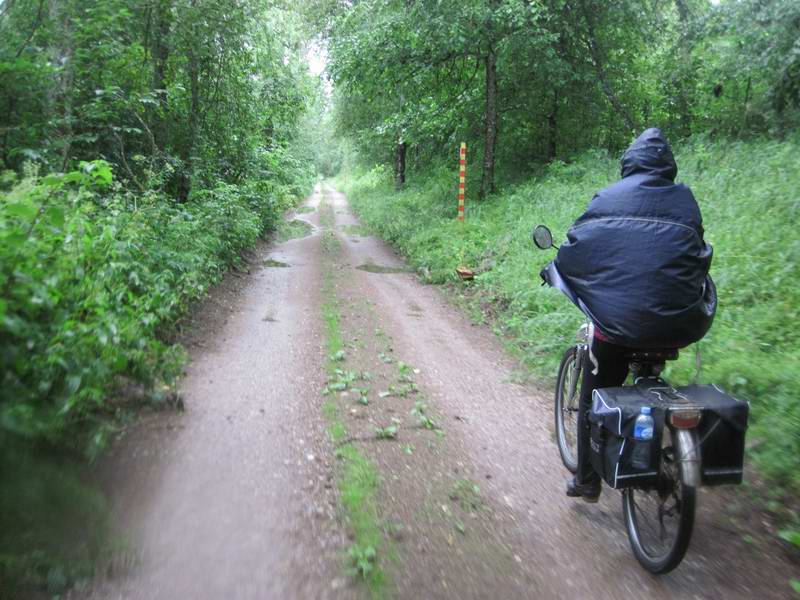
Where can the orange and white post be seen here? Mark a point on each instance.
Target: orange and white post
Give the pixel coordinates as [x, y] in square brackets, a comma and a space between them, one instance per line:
[462, 174]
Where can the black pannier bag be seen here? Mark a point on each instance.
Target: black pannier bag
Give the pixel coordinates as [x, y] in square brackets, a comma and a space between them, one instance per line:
[612, 418]
[721, 431]
[613, 414]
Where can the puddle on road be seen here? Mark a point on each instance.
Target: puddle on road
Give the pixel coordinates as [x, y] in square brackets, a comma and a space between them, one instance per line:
[271, 262]
[290, 230]
[371, 268]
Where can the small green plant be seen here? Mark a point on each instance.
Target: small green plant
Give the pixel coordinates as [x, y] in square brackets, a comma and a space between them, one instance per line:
[362, 560]
[401, 391]
[385, 358]
[467, 494]
[362, 395]
[340, 381]
[405, 389]
[386, 433]
[339, 356]
[406, 372]
[420, 412]
[792, 536]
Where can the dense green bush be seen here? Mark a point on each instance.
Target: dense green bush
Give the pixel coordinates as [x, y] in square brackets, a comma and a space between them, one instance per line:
[748, 194]
[89, 273]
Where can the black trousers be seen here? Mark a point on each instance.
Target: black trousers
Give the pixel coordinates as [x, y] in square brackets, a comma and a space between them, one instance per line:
[612, 370]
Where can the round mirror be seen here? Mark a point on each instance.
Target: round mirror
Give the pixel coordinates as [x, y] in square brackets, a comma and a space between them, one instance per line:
[542, 237]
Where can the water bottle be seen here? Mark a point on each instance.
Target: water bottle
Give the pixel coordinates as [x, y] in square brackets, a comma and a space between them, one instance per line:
[643, 434]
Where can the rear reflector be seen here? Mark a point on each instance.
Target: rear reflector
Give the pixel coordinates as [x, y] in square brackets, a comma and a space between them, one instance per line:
[685, 419]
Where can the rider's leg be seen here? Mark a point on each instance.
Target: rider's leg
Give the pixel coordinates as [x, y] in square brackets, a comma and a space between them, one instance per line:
[612, 370]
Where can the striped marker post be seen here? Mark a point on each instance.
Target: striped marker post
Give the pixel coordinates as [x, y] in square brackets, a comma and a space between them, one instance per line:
[462, 173]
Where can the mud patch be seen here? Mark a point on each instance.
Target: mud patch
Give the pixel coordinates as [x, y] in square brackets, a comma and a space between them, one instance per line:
[272, 263]
[289, 230]
[371, 268]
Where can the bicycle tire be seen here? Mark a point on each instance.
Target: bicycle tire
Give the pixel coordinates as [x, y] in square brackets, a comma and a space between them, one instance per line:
[569, 455]
[664, 562]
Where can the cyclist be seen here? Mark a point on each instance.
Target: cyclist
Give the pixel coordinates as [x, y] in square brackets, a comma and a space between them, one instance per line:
[638, 264]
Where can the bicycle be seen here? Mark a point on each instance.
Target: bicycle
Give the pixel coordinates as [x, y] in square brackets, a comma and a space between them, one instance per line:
[658, 505]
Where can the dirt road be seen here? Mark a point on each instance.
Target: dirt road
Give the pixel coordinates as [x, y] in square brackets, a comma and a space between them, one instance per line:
[235, 498]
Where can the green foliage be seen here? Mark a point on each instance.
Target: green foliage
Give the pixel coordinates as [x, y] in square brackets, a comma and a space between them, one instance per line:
[90, 273]
[571, 76]
[420, 411]
[386, 433]
[363, 560]
[792, 536]
[747, 193]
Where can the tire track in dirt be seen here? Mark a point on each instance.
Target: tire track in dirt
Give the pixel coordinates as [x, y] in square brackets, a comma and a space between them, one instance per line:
[501, 433]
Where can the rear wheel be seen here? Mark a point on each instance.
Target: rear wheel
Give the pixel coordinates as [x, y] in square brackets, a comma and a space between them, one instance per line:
[568, 387]
[660, 521]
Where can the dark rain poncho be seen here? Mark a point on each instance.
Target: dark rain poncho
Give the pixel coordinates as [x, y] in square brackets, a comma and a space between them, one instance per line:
[635, 261]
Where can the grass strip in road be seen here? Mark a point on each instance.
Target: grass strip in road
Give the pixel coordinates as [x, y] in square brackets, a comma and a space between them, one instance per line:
[357, 477]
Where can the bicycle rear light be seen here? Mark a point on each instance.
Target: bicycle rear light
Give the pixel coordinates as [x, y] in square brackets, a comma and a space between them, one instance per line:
[685, 418]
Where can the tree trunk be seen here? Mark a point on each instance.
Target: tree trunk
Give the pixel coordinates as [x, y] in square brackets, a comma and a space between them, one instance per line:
[194, 113]
[400, 166]
[552, 128]
[61, 100]
[160, 52]
[490, 139]
[684, 71]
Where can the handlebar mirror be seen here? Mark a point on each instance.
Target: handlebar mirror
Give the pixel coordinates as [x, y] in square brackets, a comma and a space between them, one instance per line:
[542, 237]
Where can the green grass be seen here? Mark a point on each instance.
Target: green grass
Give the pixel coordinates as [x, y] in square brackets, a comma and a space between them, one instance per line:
[357, 478]
[748, 193]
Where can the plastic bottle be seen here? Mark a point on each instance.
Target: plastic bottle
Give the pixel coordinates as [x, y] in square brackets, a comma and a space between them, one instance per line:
[643, 434]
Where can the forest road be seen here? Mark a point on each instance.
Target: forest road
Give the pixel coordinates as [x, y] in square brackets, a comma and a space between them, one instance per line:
[233, 498]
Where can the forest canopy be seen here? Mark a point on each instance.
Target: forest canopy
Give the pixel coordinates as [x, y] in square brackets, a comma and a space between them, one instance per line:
[527, 82]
